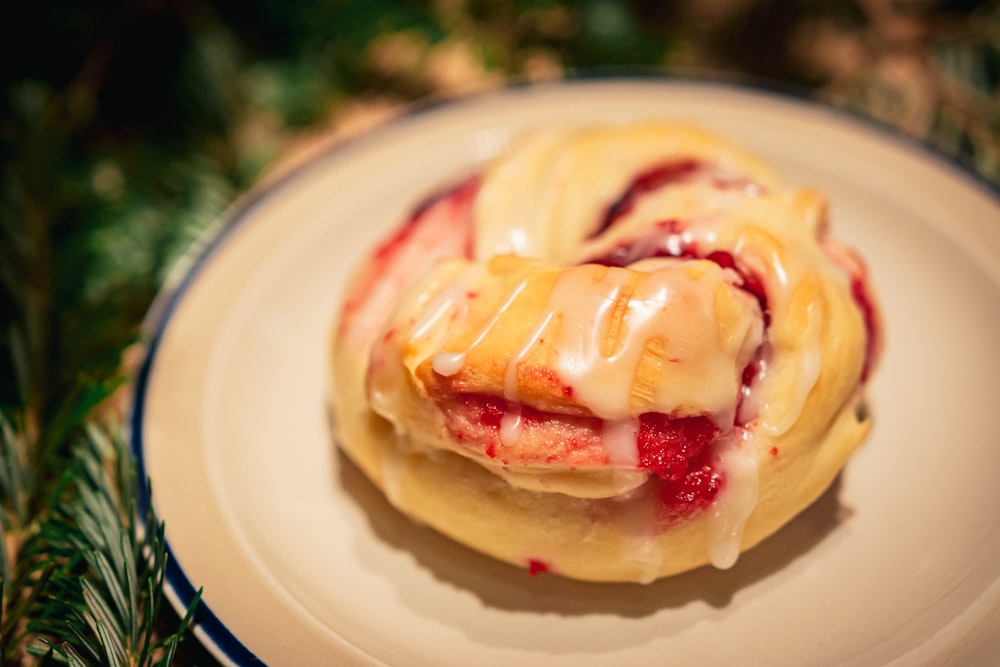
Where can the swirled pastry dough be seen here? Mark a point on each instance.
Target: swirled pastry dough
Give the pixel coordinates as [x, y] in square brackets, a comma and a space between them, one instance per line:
[616, 353]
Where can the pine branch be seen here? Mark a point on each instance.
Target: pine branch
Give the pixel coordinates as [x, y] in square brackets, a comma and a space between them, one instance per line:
[101, 600]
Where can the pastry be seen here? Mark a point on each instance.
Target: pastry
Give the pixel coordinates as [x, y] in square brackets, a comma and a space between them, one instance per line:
[615, 353]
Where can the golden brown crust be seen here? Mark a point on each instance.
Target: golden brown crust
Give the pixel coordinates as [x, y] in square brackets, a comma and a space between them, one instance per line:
[507, 329]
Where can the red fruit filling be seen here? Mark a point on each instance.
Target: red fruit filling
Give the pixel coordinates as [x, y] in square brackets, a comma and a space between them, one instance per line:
[440, 227]
[749, 282]
[675, 449]
[476, 421]
[666, 445]
[458, 197]
[668, 173]
[648, 181]
[694, 492]
[668, 241]
[536, 567]
[859, 290]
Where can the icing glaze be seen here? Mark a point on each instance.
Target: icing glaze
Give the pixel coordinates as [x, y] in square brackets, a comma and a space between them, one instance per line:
[450, 363]
[737, 460]
[671, 337]
[620, 439]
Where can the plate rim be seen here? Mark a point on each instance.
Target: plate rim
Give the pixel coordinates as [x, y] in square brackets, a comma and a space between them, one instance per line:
[179, 590]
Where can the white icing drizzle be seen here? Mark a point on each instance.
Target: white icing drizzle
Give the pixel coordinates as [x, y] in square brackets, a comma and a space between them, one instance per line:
[620, 438]
[666, 305]
[737, 461]
[779, 403]
[601, 383]
[449, 363]
[511, 421]
[736, 224]
[510, 373]
[455, 296]
[445, 296]
[510, 426]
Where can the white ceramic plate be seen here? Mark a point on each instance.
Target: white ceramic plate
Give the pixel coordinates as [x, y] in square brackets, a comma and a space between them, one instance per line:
[303, 563]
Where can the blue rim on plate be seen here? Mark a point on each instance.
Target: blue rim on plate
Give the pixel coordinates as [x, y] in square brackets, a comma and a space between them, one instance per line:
[208, 627]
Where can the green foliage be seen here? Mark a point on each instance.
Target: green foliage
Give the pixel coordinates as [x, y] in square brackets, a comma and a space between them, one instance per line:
[106, 615]
[82, 573]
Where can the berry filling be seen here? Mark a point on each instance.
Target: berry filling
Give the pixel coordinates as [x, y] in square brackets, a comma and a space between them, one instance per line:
[675, 449]
[862, 296]
[667, 445]
[441, 227]
[644, 183]
[459, 195]
[852, 263]
[537, 566]
[692, 493]
[669, 241]
[665, 174]
[451, 202]
[515, 434]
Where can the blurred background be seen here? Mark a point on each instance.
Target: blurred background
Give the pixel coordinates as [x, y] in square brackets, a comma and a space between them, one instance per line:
[128, 126]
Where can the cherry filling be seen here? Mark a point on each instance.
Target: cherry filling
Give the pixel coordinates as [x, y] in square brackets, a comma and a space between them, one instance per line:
[648, 181]
[749, 282]
[665, 174]
[519, 435]
[669, 242]
[459, 195]
[694, 492]
[862, 297]
[675, 449]
[439, 227]
[454, 201]
[667, 445]
[537, 566]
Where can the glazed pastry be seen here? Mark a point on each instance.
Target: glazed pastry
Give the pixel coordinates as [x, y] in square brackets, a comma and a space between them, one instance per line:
[617, 353]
